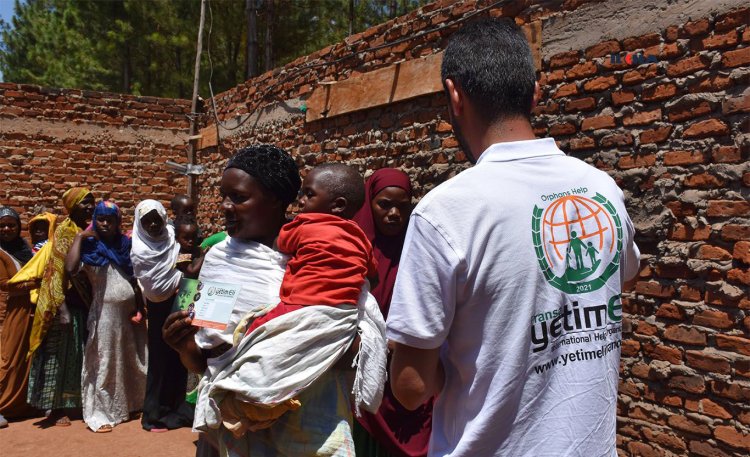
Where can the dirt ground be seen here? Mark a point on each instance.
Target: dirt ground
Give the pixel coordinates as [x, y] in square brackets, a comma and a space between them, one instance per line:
[30, 438]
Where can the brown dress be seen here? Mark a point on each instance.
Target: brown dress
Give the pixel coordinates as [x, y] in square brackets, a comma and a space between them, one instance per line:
[14, 342]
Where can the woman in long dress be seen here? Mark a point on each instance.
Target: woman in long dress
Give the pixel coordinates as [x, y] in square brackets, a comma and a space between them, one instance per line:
[58, 333]
[14, 335]
[113, 381]
[154, 255]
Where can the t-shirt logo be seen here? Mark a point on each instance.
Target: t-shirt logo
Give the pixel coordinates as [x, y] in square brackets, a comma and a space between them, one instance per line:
[573, 238]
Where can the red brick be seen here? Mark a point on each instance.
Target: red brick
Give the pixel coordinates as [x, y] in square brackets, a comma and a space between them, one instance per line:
[727, 154]
[566, 90]
[565, 128]
[728, 208]
[657, 135]
[742, 251]
[720, 40]
[733, 390]
[639, 449]
[670, 311]
[546, 108]
[603, 49]
[616, 139]
[739, 275]
[686, 424]
[674, 271]
[732, 437]
[733, 343]
[600, 83]
[738, 104]
[686, 335]
[703, 181]
[641, 42]
[706, 449]
[598, 122]
[666, 353]
[580, 104]
[713, 318]
[578, 144]
[682, 232]
[663, 438]
[735, 232]
[684, 67]
[581, 70]
[688, 111]
[696, 28]
[708, 362]
[636, 161]
[563, 59]
[630, 348]
[622, 97]
[732, 19]
[676, 158]
[736, 58]
[642, 118]
[712, 83]
[659, 92]
[639, 75]
[554, 77]
[707, 128]
[672, 33]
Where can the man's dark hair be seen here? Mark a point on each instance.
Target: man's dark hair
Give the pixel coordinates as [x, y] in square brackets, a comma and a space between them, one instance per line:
[184, 220]
[273, 167]
[342, 181]
[490, 60]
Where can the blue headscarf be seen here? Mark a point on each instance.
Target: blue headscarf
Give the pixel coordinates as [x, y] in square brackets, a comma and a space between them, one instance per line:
[98, 253]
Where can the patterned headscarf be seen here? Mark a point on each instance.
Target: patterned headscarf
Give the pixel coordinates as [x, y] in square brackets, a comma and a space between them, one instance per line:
[53, 288]
[98, 252]
[18, 248]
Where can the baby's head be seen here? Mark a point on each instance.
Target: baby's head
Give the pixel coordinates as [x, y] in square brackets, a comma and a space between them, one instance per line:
[186, 232]
[332, 188]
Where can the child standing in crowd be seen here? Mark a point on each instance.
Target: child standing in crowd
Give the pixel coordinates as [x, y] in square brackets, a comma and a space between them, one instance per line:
[41, 229]
[190, 259]
[114, 363]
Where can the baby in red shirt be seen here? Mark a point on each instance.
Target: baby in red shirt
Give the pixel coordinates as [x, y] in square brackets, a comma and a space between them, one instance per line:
[331, 255]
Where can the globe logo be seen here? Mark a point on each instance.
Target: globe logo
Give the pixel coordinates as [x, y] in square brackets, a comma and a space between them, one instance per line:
[576, 239]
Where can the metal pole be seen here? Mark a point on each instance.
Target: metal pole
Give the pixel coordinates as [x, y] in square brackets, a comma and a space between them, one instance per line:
[191, 190]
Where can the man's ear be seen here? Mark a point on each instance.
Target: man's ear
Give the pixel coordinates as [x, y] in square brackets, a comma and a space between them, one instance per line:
[455, 97]
[338, 207]
[537, 95]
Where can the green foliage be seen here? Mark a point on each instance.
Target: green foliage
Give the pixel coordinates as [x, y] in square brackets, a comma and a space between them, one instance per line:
[148, 47]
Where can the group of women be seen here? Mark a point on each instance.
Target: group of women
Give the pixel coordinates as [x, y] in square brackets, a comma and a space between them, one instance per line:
[87, 318]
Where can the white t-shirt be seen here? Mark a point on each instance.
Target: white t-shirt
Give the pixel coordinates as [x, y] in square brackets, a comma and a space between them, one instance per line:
[258, 268]
[514, 269]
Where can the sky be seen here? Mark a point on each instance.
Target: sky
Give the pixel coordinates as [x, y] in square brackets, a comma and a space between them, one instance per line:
[6, 12]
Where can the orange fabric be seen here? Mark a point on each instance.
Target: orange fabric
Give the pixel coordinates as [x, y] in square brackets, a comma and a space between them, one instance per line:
[331, 257]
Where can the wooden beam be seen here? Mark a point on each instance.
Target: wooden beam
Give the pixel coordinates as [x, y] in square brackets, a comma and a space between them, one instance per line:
[209, 137]
[400, 81]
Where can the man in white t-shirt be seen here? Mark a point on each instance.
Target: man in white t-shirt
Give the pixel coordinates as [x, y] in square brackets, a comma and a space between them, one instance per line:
[507, 302]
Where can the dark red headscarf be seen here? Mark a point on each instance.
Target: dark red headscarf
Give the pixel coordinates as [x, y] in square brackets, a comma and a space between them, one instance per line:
[401, 432]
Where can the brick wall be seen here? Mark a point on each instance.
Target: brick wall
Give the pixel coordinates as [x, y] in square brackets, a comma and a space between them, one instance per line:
[673, 133]
[53, 139]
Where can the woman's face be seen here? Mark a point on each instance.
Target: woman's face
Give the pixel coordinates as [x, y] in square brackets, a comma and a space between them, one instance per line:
[39, 231]
[152, 223]
[251, 212]
[391, 209]
[106, 226]
[82, 212]
[9, 229]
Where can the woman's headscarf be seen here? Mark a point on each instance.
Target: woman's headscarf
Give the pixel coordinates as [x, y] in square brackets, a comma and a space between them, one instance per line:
[154, 258]
[387, 249]
[18, 247]
[99, 253]
[50, 219]
[53, 288]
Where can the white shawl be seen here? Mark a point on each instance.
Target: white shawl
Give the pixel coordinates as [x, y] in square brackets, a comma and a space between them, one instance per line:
[287, 354]
[154, 259]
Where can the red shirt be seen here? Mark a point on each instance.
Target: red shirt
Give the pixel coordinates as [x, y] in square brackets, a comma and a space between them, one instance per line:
[331, 257]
